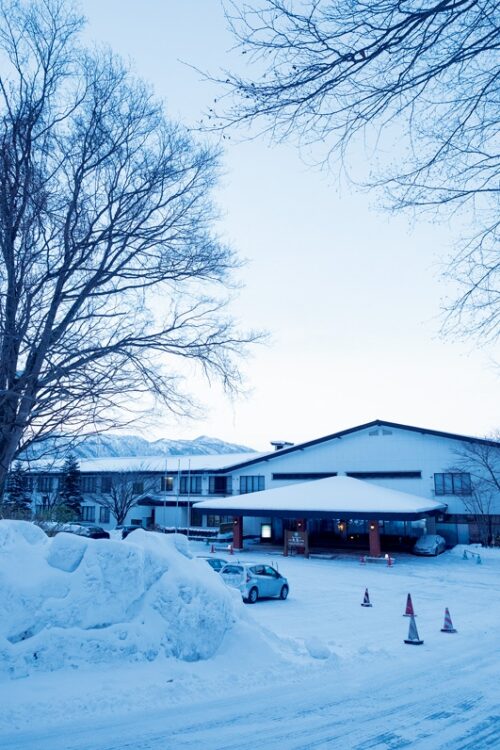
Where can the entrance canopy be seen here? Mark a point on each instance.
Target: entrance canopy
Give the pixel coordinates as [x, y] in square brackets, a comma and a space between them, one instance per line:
[333, 497]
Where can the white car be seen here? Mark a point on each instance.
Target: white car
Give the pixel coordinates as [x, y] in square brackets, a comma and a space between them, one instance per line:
[429, 544]
[255, 580]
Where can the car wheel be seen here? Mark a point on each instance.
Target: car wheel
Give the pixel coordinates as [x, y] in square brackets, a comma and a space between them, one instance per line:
[253, 595]
[284, 592]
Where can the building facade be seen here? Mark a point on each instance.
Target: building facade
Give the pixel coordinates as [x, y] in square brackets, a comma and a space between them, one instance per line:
[421, 462]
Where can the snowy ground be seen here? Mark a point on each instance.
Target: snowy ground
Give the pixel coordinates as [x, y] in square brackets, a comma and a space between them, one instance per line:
[265, 688]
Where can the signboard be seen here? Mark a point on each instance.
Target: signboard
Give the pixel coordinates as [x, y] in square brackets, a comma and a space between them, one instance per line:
[296, 542]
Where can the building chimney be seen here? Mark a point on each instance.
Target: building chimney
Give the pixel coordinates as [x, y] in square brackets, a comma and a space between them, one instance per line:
[280, 444]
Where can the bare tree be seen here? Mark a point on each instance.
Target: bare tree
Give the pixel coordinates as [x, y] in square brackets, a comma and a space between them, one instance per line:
[51, 510]
[109, 263]
[419, 83]
[482, 461]
[127, 488]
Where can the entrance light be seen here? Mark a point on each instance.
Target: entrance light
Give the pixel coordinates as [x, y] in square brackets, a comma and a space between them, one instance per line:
[265, 531]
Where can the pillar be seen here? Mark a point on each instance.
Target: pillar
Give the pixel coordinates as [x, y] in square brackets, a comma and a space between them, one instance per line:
[430, 525]
[237, 532]
[374, 539]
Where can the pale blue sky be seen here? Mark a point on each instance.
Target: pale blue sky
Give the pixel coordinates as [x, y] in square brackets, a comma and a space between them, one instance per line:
[351, 296]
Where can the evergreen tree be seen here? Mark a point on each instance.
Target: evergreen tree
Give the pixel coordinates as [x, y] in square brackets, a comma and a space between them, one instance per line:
[71, 496]
[17, 503]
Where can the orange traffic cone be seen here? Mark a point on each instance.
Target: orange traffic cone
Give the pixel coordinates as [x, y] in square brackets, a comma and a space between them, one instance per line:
[366, 600]
[212, 548]
[413, 638]
[448, 625]
[390, 561]
[230, 548]
[409, 608]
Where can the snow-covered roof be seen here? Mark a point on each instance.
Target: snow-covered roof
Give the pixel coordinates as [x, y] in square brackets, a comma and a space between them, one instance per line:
[336, 497]
[110, 464]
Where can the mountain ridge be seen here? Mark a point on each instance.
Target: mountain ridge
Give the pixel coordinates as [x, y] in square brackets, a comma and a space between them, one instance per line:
[122, 446]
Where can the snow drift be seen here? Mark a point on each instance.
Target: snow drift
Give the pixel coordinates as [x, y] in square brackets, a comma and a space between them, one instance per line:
[67, 600]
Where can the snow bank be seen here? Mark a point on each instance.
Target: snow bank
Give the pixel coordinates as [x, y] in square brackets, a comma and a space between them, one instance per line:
[473, 550]
[67, 601]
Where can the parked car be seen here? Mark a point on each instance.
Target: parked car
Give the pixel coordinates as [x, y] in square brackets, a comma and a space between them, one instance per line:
[127, 529]
[217, 563]
[90, 531]
[81, 529]
[429, 544]
[255, 580]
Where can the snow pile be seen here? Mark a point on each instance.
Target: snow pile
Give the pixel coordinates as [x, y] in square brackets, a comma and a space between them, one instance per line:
[472, 551]
[317, 648]
[67, 601]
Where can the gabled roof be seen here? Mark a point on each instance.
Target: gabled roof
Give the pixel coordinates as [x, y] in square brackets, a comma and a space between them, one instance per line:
[368, 425]
[334, 497]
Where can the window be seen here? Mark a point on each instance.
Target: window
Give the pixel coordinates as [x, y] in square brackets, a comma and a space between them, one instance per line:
[104, 515]
[106, 484]
[218, 520]
[268, 571]
[452, 484]
[233, 570]
[220, 485]
[196, 517]
[45, 483]
[88, 513]
[251, 484]
[190, 486]
[167, 484]
[298, 475]
[385, 474]
[88, 484]
[138, 487]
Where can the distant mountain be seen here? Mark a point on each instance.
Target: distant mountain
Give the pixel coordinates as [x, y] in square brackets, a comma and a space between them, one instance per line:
[103, 446]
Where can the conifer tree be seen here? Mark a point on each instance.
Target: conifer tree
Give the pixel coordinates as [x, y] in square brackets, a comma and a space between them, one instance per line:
[17, 503]
[71, 496]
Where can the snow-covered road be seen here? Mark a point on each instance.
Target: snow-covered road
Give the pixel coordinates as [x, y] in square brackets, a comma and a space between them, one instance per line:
[450, 706]
[372, 693]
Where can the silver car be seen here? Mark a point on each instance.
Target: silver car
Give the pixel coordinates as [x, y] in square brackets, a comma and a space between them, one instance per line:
[255, 580]
[429, 544]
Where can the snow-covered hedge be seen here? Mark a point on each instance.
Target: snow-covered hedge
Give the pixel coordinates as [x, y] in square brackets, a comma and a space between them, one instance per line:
[68, 600]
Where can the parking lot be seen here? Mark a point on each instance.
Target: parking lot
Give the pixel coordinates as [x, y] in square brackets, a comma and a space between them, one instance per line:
[321, 672]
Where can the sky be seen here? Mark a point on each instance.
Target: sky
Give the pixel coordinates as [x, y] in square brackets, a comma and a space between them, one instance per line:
[351, 296]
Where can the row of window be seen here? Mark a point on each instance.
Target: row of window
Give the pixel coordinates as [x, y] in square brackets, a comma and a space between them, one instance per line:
[188, 485]
[451, 483]
[88, 513]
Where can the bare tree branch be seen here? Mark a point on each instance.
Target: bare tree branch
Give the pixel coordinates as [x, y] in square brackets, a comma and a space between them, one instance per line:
[126, 490]
[482, 462]
[416, 84]
[109, 265]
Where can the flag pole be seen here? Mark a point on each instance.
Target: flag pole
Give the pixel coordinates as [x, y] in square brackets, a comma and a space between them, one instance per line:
[178, 490]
